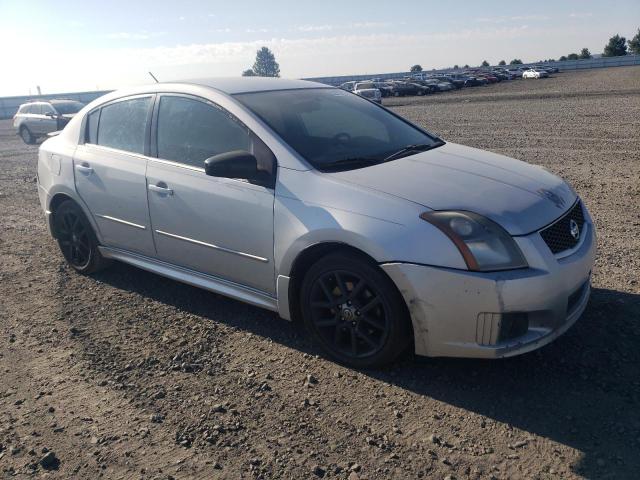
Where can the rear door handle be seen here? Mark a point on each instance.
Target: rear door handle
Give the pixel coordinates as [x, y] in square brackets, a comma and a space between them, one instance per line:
[84, 168]
[161, 187]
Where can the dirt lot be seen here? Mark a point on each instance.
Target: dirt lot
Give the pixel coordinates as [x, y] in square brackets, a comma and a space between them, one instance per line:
[128, 375]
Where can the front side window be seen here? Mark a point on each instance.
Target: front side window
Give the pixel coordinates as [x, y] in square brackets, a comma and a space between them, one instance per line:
[123, 125]
[333, 129]
[47, 109]
[190, 131]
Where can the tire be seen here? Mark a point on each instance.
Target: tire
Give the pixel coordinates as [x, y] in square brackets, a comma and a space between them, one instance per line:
[76, 239]
[354, 311]
[27, 136]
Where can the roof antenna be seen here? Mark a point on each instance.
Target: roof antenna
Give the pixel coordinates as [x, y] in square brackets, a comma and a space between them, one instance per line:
[154, 77]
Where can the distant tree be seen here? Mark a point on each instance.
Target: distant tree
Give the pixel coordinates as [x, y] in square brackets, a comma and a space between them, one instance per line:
[551, 60]
[634, 43]
[502, 62]
[248, 73]
[515, 61]
[485, 63]
[585, 54]
[562, 58]
[466, 65]
[265, 64]
[456, 67]
[416, 68]
[616, 47]
[573, 56]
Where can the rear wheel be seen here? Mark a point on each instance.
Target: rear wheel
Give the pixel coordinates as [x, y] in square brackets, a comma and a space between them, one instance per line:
[27, 136]
[76, 239]
[354, 311]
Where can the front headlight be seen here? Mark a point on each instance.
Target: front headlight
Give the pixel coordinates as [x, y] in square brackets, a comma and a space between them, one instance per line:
[484, 245]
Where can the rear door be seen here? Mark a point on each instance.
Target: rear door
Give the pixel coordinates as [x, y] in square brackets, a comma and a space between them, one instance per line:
[48, 122]
[110, 168]
[34, 121]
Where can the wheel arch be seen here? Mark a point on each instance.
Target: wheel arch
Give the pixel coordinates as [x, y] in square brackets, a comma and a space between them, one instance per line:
[57, 199]
[312, 254]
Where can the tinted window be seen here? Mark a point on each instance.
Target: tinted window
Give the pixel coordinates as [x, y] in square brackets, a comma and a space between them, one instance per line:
[190, 131]
[123, 125]
[92, 127]
[65, 108]
[329, 125]
[47, 109]
[35, 108]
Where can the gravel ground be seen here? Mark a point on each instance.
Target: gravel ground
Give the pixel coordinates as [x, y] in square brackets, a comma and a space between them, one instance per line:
[125, 374]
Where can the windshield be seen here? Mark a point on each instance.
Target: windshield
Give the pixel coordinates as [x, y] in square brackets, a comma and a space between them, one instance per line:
[65, 108]
[329, 127]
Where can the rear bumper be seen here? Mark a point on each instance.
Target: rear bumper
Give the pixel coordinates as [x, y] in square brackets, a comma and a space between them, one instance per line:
[459, 313]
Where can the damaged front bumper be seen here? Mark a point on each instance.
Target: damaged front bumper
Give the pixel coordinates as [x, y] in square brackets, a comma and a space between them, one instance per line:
[460, 313]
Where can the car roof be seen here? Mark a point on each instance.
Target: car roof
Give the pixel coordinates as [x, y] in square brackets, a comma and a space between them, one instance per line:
[234, 85]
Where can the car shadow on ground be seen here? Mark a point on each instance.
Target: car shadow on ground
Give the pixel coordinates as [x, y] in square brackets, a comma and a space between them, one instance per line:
[582, 391]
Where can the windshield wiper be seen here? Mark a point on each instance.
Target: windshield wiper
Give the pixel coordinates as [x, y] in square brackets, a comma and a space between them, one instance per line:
[351, 162]
[411, 149]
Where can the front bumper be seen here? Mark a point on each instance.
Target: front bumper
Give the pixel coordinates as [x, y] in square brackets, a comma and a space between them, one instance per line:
[457, 313]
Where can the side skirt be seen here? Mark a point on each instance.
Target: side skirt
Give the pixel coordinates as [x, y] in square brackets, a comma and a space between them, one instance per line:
[191, 277]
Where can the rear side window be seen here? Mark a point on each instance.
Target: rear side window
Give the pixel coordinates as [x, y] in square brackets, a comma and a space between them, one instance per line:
[190, 131]
[123, 125]
[35, 109]
[92, 127]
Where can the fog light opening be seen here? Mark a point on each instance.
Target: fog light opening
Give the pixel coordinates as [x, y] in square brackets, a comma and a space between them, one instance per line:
[513, 325]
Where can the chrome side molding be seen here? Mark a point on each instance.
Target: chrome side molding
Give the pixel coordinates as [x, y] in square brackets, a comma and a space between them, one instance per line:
[123, 222]
[215, 247]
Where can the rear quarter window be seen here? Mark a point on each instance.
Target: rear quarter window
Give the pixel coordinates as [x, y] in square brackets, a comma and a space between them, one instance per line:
[91, 135]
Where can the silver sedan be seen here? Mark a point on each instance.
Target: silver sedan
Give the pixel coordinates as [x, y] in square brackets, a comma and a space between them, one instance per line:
[322, 206]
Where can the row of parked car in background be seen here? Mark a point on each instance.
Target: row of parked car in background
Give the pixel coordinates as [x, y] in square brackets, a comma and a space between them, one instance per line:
[424, 83]
[38, 118]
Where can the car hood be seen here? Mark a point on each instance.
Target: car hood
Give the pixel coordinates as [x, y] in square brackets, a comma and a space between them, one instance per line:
[520, 197]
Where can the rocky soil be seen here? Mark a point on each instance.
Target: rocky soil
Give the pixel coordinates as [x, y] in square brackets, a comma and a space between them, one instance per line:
[125, 374]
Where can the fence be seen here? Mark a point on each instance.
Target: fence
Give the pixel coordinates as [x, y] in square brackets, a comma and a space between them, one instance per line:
[9, 105]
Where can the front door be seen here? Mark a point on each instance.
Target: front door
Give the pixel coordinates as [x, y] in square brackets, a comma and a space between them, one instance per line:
[218, 226]
[110, 172]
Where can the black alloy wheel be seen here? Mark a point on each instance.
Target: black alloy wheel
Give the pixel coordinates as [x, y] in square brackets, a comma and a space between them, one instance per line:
[76, 239]
[354, 311]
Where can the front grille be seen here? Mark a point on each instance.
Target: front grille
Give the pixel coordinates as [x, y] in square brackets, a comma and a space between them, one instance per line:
[558, 236]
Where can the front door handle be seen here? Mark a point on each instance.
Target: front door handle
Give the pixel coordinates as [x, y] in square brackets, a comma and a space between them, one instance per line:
[161, 187]
[84, 168]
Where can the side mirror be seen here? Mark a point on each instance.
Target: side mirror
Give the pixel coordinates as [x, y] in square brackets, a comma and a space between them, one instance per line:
[237, 164]
[50, 114]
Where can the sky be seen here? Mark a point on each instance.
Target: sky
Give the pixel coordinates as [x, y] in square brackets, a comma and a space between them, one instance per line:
[74, 45]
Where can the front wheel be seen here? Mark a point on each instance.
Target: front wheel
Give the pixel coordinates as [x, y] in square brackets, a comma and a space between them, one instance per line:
[76, 239]
[354, 311]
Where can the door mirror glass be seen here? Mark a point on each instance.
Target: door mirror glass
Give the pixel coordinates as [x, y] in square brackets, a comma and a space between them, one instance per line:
[238, 164]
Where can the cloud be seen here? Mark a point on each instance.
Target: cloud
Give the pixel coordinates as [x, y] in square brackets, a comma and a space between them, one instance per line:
[514, 18]
[133, 35]
[343, 26]
[581, 15]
